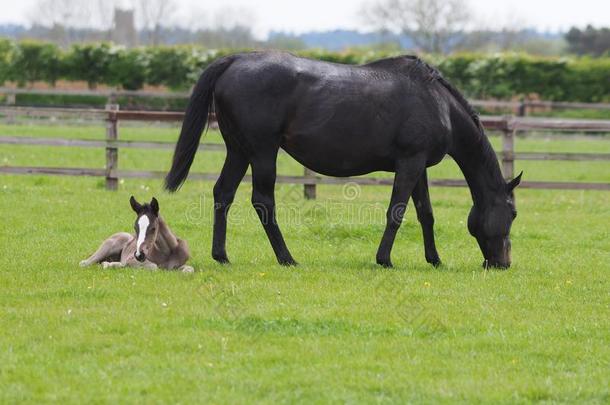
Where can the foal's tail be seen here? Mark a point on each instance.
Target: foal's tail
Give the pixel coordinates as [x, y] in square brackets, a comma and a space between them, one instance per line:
[195, 120]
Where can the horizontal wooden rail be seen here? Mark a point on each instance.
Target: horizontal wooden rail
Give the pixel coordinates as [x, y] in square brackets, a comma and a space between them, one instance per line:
[92, 143]
[515, 105]
[95, 93]
[56, 171]
[315, 180]
[500, 123]
[113, 93]
[219, 147]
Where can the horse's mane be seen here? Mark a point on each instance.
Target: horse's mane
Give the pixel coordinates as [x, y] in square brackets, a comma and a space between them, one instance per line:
[424, 71]
[436, 75]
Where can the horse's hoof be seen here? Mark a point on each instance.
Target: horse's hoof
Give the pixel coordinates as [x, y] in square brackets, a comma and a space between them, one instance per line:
[187, 269]
[288, 262]
[221, 259]
[84, 263]
[385, 263]
[435, 262]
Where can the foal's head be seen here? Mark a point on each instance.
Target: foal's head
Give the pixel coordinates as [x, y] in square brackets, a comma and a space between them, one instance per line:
[490, 225]
[145, 226]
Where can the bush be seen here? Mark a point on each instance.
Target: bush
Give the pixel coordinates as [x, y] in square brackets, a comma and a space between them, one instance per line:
[6, 50]
[128, 69]
[170, 66]
[91, 63]
[35, 61]
[505, 76]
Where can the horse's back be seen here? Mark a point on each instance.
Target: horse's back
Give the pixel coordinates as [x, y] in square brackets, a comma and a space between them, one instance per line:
[336, 119]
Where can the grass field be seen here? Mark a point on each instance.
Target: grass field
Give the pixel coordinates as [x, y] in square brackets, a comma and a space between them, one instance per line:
[335, 329]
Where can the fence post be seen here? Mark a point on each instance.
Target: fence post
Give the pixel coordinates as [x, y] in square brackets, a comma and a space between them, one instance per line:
[309, 189]
[112, 98]
[522, 110]
[508, 150]
[112, 152]
[11, 100]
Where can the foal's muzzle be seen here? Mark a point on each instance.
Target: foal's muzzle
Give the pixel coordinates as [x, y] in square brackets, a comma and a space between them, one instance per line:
[140, 256]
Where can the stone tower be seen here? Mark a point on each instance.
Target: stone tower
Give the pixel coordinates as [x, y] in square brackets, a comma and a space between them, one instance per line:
[124, 28]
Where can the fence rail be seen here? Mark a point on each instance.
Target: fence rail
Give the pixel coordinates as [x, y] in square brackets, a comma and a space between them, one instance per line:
[507, 125]
[520, 108]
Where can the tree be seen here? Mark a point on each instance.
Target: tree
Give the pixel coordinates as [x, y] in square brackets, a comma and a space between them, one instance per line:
[592, 41]
[152, 14]
[59, 15]
[7, 49]
[63, 18]
[430, 23]
[36, 61]
[90, 63]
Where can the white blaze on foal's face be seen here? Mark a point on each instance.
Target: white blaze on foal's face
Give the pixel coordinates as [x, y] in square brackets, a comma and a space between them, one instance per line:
[143, 223]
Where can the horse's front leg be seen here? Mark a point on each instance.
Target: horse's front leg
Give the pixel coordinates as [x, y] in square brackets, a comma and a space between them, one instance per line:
[263, 200]
[408, 172]
[421, 200]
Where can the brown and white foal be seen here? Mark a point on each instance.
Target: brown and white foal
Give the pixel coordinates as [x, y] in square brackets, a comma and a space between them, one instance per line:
[153, 245]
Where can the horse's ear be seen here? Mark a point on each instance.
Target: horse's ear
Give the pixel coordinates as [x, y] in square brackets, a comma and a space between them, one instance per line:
[511, 185]
[136, 206]
[154, 204]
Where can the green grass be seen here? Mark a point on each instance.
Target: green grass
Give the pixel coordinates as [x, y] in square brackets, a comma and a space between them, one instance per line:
[335, 329]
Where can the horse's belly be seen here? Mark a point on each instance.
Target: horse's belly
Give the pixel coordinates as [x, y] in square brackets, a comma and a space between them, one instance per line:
[349, 160]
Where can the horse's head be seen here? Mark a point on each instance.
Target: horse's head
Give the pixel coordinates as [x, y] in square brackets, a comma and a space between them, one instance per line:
[490, 225]
[146, 226]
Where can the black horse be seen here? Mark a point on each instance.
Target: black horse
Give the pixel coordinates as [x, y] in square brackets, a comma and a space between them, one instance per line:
[397, 115]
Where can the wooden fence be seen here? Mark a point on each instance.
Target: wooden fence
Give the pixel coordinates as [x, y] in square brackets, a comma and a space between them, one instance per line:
[508, 126]
[519, 108]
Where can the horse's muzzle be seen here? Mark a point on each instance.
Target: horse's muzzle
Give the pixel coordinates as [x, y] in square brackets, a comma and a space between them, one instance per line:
[496, 264]
[140, 256]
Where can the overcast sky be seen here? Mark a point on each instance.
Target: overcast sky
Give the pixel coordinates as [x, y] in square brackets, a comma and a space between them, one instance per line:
[300, 16]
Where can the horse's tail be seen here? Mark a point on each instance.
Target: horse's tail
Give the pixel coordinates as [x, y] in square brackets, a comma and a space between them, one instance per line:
[195, 120]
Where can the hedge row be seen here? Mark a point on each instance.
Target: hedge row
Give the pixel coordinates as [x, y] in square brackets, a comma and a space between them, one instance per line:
[479, 76]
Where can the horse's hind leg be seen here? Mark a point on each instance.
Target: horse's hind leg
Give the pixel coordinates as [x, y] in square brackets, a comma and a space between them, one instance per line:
[408, 172]
[110, 250]
[263, 200]
[232, 173]
[421, 200]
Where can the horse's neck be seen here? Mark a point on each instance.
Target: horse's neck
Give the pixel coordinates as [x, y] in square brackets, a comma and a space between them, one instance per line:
[476, 158]
[166, 240]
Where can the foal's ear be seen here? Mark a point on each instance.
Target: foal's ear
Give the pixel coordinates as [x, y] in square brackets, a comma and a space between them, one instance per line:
[136, 206]
[154, 204]
[511, 185]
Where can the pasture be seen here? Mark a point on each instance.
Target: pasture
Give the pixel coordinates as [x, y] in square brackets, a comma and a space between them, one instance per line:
[337, 328]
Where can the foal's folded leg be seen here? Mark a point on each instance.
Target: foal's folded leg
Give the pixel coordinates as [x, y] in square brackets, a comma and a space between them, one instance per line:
[148, 265]
[111, 247]
[112, 265]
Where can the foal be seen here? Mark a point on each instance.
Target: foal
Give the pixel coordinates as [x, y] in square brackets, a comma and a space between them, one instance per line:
[153, 245]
